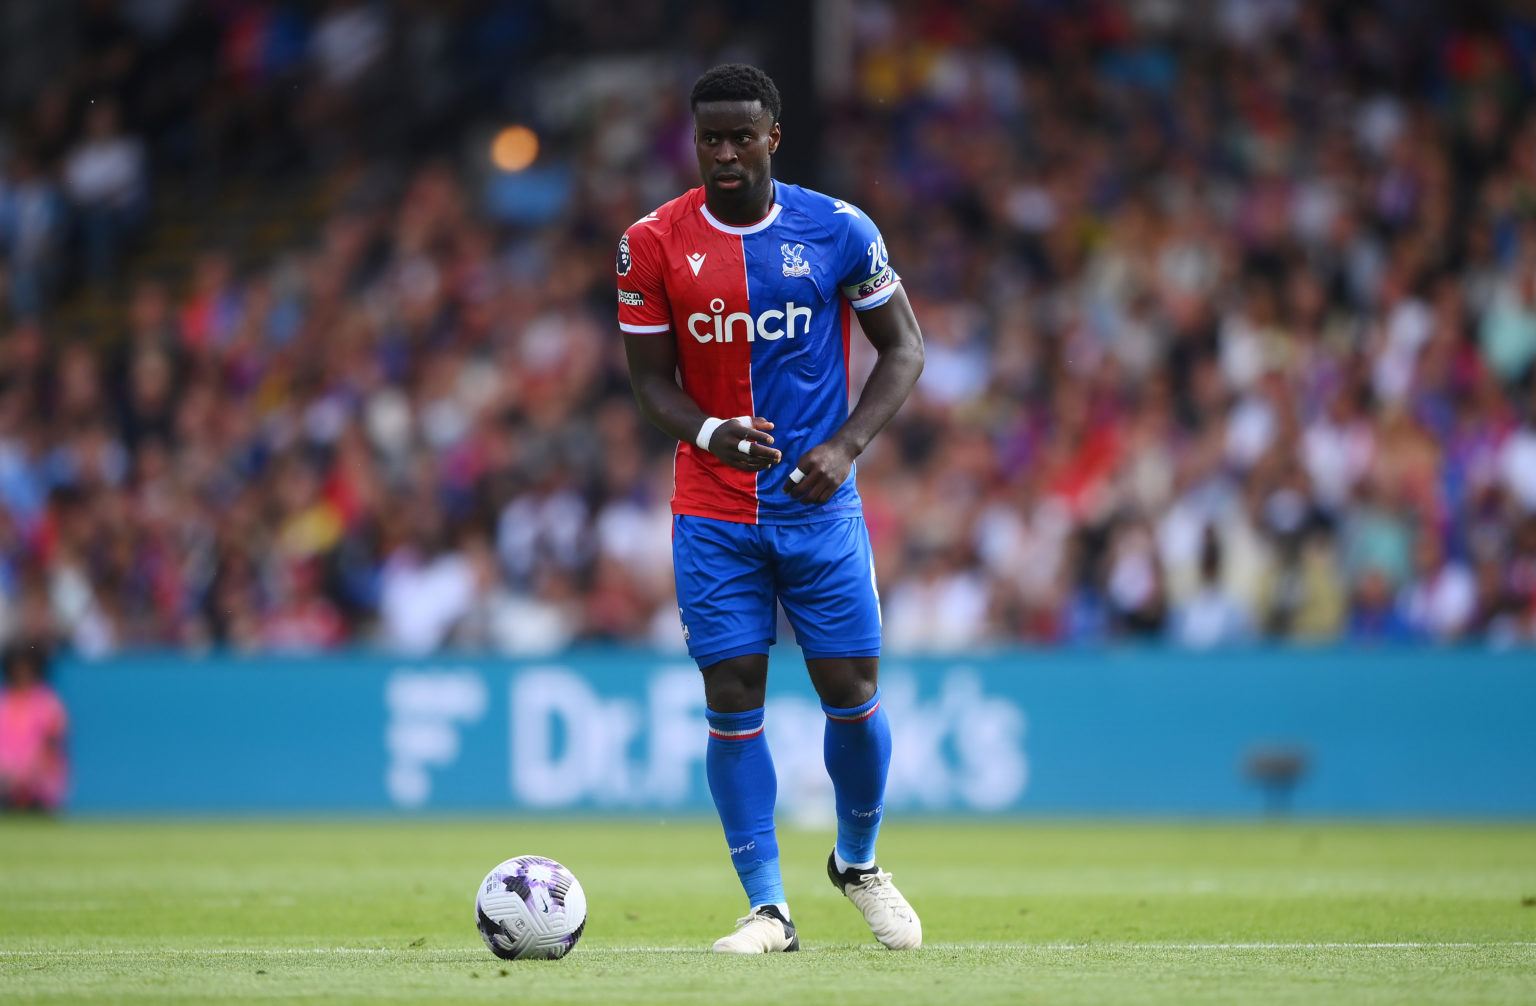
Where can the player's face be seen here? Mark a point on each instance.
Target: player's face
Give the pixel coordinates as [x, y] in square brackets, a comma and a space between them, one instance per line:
[735, 141]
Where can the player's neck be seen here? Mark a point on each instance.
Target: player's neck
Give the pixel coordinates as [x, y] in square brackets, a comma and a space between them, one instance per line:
[741, 209]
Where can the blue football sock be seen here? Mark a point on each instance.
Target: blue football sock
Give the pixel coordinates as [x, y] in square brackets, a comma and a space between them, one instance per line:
[743, 783]
[857, 749]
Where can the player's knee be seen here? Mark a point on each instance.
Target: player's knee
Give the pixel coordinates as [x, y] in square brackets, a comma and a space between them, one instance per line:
[845, 682]
[736, 684]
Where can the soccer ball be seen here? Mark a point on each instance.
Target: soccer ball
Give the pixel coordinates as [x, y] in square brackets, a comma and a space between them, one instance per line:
[530, 908]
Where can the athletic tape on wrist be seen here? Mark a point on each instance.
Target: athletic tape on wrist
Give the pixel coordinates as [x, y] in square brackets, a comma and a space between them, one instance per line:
[708, 430]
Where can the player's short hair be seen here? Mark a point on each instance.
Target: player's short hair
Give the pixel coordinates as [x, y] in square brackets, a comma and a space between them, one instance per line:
[736, 82]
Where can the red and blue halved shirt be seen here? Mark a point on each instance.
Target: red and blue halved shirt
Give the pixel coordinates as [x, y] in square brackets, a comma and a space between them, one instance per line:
[761, 316]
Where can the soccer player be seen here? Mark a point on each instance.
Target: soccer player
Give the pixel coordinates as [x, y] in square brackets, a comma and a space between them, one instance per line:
[735, 301]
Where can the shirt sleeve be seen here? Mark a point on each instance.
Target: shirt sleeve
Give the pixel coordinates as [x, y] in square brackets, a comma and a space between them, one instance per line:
[867, 279]
[643, 306]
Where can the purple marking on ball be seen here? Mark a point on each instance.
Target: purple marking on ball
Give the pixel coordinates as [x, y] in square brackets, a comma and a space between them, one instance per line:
[516, 884]
[539, 882]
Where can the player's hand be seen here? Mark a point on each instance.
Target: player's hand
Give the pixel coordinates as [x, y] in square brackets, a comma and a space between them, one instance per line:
[727, 439]
[825, 467]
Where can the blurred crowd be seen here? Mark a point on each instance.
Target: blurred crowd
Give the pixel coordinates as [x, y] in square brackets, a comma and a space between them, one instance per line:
[1230, 309]
[1231, 313]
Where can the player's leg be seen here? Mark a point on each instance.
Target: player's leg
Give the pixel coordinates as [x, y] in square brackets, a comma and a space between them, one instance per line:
[726, 599]
[741, 777]
[826, 578]
[744, 786]
[857, 750]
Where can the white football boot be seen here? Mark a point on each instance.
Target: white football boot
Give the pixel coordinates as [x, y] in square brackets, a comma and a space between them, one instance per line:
[764, 931]
[890, 918]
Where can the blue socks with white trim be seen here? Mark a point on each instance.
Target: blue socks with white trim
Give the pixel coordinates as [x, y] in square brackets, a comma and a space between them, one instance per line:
[744, 786]
[857, 749]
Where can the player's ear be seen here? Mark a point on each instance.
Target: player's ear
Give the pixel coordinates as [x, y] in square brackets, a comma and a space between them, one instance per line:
[773, 138]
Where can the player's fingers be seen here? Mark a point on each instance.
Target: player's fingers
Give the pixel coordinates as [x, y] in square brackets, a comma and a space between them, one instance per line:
[806, 490]
[823, 488]
[738, 429]
[759, 423]
[757, 450]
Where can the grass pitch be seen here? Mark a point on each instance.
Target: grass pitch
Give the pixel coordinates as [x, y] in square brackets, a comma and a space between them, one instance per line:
[1012, 913]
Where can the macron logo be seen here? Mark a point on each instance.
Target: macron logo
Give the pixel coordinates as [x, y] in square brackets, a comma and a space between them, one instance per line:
[696, 262]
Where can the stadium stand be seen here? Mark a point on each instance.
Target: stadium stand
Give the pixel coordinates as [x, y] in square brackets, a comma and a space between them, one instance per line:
[1230, 309]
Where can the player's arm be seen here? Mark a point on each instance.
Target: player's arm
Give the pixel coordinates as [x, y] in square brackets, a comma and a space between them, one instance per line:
[653, 377]
[645, 319]
[893, 330]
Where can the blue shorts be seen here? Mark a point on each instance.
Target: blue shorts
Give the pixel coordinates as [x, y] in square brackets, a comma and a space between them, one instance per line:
[730, 578]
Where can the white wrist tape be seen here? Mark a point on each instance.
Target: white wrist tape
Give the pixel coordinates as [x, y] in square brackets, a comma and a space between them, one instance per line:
[708, 430]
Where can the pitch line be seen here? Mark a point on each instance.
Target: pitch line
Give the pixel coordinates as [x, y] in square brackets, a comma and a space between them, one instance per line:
[446, 953]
